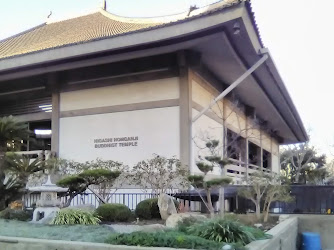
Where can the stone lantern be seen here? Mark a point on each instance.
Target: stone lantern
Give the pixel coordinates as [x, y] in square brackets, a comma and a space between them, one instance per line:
[48, 203]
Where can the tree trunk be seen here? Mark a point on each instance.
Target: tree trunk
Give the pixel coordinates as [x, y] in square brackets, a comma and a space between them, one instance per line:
[297, 177]
[266, 212]
[97, 195]
[2, 203]
[2, 161]
[258, 210]
[68, 202]
[3, 149]
[208, 198]
[222, 202]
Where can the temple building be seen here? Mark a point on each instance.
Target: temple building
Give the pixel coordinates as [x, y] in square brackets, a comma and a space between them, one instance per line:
[120, 88]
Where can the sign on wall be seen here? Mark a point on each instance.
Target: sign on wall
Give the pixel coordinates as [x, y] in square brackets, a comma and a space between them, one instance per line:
[128, 141]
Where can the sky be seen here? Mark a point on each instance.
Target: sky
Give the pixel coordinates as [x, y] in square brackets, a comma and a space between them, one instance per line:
[298, 34]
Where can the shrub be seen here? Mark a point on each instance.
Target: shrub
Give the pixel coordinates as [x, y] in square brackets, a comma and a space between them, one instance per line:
[14, 214]
[69, 216]
[225, 231]
[185, 223]
[148, 209]
[114, 212]
[166, 239]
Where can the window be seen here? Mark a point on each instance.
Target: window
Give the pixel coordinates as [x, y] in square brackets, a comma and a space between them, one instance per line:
[41, 135]
[235, 145]
[254, 154]
[266, 158]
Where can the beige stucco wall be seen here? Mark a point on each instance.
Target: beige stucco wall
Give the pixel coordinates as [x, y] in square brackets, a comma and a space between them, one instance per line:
[204, 129]
[234, 118]
[207, 127]
[227, 112]
[157, 128]
[148, 91]
[156, 132]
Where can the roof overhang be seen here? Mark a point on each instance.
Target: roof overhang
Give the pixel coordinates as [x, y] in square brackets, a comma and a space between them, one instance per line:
[226, 51]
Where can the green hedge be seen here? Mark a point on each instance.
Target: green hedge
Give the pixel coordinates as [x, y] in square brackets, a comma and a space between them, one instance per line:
[166, 239]
[148, 209]
[12, 214]
[114, 212]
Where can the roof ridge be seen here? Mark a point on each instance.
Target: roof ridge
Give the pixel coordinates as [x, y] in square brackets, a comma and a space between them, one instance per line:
[173, 17]
[143, 20]
[23, 32]
[87, 13]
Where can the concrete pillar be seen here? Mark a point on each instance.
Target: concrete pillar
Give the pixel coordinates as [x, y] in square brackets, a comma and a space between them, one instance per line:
[247, 150]
[261, 151]
[54, 87]
[55, 123]
[185, 112]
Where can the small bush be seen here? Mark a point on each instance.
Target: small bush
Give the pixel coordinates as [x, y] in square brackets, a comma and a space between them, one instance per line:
[225, 231]
[187, 222]
[148, 209]
[114, 212]
[69, 216]
[166, 239]
[14, 214]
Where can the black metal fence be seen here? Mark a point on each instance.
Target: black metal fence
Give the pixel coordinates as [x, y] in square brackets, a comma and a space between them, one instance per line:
[307, 200]
[131, 200]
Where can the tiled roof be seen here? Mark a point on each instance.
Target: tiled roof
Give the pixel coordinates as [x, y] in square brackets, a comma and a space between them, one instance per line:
[71, 31]
[98, 25]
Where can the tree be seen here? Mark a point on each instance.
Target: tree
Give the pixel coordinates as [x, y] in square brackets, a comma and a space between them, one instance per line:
[104, 190]
[255, 189]
[217, 160]
[159, 174]
[266, 188]
[275, 192]
[232, 144]
[298, 160]
[201, 182]
[78, 184]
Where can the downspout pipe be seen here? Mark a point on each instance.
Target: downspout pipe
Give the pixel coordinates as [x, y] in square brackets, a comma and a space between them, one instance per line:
[234, 84]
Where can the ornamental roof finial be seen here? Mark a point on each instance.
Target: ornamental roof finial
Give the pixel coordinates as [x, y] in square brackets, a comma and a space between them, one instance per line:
[104, 5]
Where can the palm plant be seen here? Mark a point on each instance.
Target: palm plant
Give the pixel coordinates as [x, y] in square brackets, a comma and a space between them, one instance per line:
[23, 166]
[11, 134]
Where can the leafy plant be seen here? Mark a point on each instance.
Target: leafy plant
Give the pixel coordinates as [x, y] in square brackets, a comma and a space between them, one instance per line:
[166, 239]
[114, 212]
[75, 216]
[13, 214]
[148, 209]
[11, 134]
[257, 185]
[298, 161]
[159, 174]
[227, 231]
[264, 188]
[186, 222]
